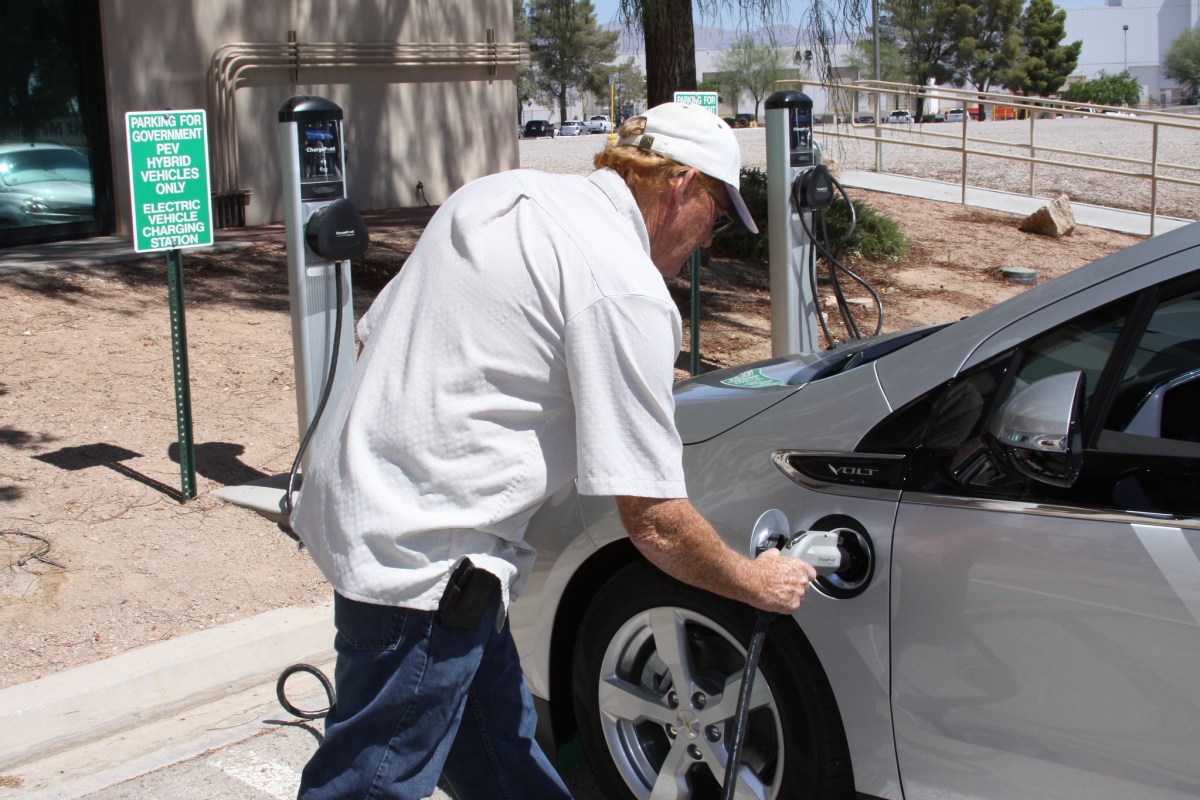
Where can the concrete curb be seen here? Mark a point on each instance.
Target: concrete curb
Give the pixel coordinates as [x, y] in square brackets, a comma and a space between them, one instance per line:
[87, 704]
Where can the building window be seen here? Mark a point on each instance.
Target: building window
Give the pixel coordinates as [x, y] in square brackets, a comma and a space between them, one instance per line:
[55, 177]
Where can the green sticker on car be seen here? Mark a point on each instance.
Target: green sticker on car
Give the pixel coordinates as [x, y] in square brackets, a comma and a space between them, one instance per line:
[752, 379]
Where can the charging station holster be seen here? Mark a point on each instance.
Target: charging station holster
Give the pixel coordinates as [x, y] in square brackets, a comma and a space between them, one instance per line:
[816, 187]
[337, 231]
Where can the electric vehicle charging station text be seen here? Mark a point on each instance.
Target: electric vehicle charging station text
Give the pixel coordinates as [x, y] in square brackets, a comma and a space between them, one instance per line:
[312, 156]
[791, 152]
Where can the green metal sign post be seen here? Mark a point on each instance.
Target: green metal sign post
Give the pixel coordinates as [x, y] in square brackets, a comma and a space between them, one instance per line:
[707, 100]
[172, 209]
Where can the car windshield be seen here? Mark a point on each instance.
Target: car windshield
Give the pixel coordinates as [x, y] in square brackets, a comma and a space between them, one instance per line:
[849, 356]
[43, 164]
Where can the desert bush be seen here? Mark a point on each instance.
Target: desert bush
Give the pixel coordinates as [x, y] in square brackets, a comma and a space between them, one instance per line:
[875, 235]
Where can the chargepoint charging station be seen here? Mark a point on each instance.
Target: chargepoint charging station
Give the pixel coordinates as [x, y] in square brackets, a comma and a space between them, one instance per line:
[792, 155]
[313, 167]
[324, 232]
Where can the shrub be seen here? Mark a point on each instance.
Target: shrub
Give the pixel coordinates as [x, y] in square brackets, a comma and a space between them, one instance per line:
[740, 244]
[875, 235]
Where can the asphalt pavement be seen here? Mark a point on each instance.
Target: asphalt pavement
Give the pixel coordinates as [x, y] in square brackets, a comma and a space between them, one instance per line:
[195, 716]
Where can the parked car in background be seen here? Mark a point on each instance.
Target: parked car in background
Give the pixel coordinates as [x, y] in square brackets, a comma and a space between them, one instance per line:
[864, 119]
[1083, 110]
[15, 210]
[1017, 612]
[599, 123]
[536, 128]
[955, 115]
[899, 117]
[572, 127]
[52, 183]
[744, 120]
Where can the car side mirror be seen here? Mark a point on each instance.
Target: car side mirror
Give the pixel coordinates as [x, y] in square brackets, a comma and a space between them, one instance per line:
[1037, 429]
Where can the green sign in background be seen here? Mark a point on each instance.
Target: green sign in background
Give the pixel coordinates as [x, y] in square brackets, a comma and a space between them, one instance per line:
[707, 100]
[168, 179]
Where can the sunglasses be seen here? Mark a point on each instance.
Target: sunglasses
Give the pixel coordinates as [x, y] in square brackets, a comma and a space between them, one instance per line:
[722, 221]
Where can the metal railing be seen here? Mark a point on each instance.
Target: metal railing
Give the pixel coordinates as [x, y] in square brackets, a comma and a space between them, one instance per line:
[968, 144]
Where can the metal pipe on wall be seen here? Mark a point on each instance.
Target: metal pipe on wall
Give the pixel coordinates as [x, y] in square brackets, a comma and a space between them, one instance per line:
[231, 63]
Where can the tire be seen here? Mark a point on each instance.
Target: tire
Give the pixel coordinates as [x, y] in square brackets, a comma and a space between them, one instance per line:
[639, 725]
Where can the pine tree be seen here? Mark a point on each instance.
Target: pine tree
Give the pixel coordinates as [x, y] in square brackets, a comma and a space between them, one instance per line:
[1045, 62]
[566, 46]
[926, 32]
[989, 42]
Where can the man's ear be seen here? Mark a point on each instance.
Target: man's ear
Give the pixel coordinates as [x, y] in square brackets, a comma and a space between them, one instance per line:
[680, 184]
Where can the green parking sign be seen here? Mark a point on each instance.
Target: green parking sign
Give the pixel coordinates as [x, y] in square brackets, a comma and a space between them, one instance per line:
[703, 99]
[168, 179]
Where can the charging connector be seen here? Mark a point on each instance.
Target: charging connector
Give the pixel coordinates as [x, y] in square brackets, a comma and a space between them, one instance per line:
[818, 548]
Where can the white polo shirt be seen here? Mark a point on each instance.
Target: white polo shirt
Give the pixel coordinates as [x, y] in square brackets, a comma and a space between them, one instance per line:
[528, 341]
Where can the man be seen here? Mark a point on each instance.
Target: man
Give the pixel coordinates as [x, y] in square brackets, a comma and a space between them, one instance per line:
[529, 341]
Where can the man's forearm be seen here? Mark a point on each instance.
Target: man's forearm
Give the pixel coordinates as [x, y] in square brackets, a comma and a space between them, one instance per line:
[673, 536]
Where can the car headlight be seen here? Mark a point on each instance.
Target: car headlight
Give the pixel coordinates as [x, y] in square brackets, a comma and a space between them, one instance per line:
[34, 205]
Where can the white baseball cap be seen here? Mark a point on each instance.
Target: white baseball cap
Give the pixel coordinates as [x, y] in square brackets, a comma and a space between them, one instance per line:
[696, 137]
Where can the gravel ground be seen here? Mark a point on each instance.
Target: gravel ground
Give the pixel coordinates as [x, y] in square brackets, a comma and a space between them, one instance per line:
[1095, 142]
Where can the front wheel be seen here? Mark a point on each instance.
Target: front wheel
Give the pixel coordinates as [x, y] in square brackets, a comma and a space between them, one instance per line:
[657, 670]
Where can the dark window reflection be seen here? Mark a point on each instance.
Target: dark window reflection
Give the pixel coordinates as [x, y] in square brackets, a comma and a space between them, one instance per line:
[51, 116]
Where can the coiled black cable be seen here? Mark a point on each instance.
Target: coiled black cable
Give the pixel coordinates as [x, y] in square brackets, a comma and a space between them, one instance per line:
[281, 691]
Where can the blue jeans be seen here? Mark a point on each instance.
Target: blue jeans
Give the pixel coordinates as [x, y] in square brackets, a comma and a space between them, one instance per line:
[417, 700]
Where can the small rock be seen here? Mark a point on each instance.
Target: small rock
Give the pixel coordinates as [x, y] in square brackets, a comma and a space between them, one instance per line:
[1055, 220]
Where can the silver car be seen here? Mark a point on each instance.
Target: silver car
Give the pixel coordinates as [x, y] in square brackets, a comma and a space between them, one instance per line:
[1018, 611]
[53, 183]
[573, 127]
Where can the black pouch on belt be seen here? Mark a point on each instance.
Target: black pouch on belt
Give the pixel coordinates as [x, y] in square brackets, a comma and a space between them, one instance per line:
[467, 596]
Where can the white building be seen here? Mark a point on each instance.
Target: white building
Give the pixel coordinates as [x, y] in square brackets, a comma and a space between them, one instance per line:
[1134, 35]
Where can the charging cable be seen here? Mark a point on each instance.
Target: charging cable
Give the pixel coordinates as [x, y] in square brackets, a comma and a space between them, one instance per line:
[823, 551]
[805, 196]
[325, 393]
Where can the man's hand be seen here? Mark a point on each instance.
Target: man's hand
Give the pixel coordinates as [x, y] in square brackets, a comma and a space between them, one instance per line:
[784, 583]
[680, 542]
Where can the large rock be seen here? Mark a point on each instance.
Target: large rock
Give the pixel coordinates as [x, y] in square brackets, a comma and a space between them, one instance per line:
[1055, 220]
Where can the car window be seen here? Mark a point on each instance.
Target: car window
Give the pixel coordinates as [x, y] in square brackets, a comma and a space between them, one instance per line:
[1152, 396]
[958, 455]
[1140, 357]
[1084, 344]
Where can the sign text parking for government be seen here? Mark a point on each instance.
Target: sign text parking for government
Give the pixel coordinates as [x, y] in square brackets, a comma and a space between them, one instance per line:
[168, 176]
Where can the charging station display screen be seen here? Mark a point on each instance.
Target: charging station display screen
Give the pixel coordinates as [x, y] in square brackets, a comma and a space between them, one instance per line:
[320, 158]
[801, 127]
[800, 136]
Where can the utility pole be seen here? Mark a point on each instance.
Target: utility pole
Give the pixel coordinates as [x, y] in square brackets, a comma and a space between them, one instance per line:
[1125, 30]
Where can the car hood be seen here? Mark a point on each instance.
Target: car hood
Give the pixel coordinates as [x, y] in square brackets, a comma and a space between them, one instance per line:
[59, 194]
[710, 404]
